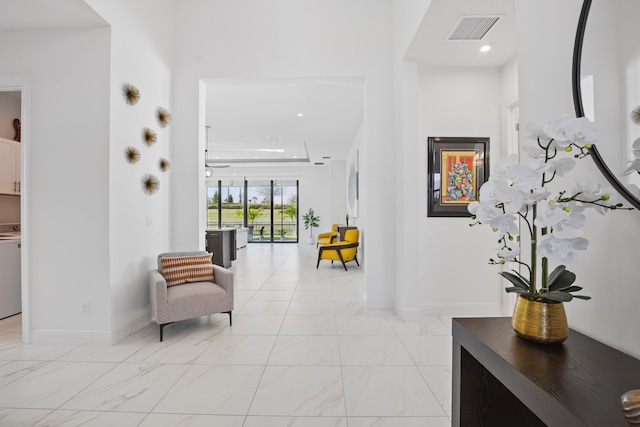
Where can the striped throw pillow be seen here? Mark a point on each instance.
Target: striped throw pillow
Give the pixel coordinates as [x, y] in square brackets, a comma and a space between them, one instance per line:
[187, 269]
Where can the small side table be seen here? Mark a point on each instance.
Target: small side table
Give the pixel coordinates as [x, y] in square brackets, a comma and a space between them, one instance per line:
[343, 229]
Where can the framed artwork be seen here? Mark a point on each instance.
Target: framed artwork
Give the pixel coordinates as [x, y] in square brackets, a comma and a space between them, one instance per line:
[353, 178]
[457, 167]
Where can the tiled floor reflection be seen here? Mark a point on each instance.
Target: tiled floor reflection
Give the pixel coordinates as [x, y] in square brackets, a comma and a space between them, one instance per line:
[303, 352]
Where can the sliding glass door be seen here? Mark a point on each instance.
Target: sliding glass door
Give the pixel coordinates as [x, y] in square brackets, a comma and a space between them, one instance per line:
[285, 210]
[269, 208]
[259, 210]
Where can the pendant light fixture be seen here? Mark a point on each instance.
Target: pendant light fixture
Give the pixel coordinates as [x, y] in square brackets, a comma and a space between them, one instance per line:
[207, 169]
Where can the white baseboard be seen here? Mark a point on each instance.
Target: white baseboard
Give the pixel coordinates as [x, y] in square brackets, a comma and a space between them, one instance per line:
[51, 336]
[133, 326]
[107, 338]
[493, 309]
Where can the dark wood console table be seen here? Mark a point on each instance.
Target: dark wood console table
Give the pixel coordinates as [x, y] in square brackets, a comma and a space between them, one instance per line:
[500, 380]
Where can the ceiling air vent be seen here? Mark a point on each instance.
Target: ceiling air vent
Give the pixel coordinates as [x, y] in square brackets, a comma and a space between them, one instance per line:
[472, 27]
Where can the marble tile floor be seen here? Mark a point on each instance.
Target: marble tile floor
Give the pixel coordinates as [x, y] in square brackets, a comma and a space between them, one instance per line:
[303, 351]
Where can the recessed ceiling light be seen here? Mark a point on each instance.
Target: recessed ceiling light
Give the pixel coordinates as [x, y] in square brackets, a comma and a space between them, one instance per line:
[485, 48]
[255, 157]
[300, 114]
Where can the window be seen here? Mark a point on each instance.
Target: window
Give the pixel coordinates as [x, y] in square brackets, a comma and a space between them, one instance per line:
[268, 208]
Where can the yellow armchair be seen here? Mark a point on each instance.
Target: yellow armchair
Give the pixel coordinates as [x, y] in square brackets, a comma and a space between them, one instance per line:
[328, 237]
[344, 251]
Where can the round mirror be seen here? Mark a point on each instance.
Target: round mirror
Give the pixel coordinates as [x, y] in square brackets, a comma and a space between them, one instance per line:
[606, 86]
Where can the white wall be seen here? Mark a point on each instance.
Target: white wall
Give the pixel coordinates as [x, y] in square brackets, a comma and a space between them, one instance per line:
[9, 110]
[338, 189]
[138, 223]
[66, 143]
[287, 38]
[407, 16]
[608, 270]
[455, 277]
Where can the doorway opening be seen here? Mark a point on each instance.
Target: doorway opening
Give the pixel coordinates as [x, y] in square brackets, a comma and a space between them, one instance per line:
[15, 94]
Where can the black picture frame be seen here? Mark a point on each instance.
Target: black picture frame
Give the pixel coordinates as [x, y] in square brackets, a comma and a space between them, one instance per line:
[467, 161]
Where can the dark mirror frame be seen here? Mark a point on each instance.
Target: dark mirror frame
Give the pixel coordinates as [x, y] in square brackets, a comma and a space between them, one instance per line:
[577, 102]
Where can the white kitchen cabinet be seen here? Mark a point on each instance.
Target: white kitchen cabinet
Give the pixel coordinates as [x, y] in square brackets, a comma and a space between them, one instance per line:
[9, 166]
[10, 289]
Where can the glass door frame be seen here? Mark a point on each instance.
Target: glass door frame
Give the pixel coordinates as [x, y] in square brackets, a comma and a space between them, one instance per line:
[245, 206]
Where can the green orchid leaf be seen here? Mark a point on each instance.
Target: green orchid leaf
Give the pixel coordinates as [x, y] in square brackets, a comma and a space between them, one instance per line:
[554, 274]
[524, 279]
[562, 280]
[515, 280]
[558, 296]
[584, 297]
[517, 290]
[571, 289]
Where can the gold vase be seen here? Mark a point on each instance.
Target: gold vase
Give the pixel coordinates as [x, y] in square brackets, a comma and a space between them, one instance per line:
[541, 322]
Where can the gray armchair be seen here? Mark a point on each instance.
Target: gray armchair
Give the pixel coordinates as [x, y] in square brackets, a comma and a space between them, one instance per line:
[189, 300]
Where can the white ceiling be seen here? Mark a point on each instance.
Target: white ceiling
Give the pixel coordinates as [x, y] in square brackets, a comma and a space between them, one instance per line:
[430, 46]
[40, 14]
[248, 117]
[257, 120]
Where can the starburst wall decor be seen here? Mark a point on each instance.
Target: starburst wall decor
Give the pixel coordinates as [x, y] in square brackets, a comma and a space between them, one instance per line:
[150, 183]
[132, 155]
[163, 117]
[130, 93]
[149, 137]
[635, 115]
[164, 165]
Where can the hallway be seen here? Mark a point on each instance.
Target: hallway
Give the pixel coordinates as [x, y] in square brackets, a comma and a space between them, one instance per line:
[302, 352]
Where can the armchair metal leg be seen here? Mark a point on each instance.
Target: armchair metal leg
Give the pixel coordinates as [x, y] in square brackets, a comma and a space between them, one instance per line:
[355, 258]
[162, 329]
[342, 260]
[230, 319]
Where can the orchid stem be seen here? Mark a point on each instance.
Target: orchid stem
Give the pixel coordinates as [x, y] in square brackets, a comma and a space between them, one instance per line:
[534, 252]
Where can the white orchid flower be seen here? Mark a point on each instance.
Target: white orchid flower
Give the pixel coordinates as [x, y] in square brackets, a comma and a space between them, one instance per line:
[525, 177]
[550, 213]
[511, 198]
[504, 224]
[557, 130]
[536, 195]
[561, 166]
[581, 131]
[503, 165]
[591, 191]
[536, 131]
[533, 152]
[486, 212]
[634, 166]
[575, 220]
[508, 253]
[473, 207]
[563, 250]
